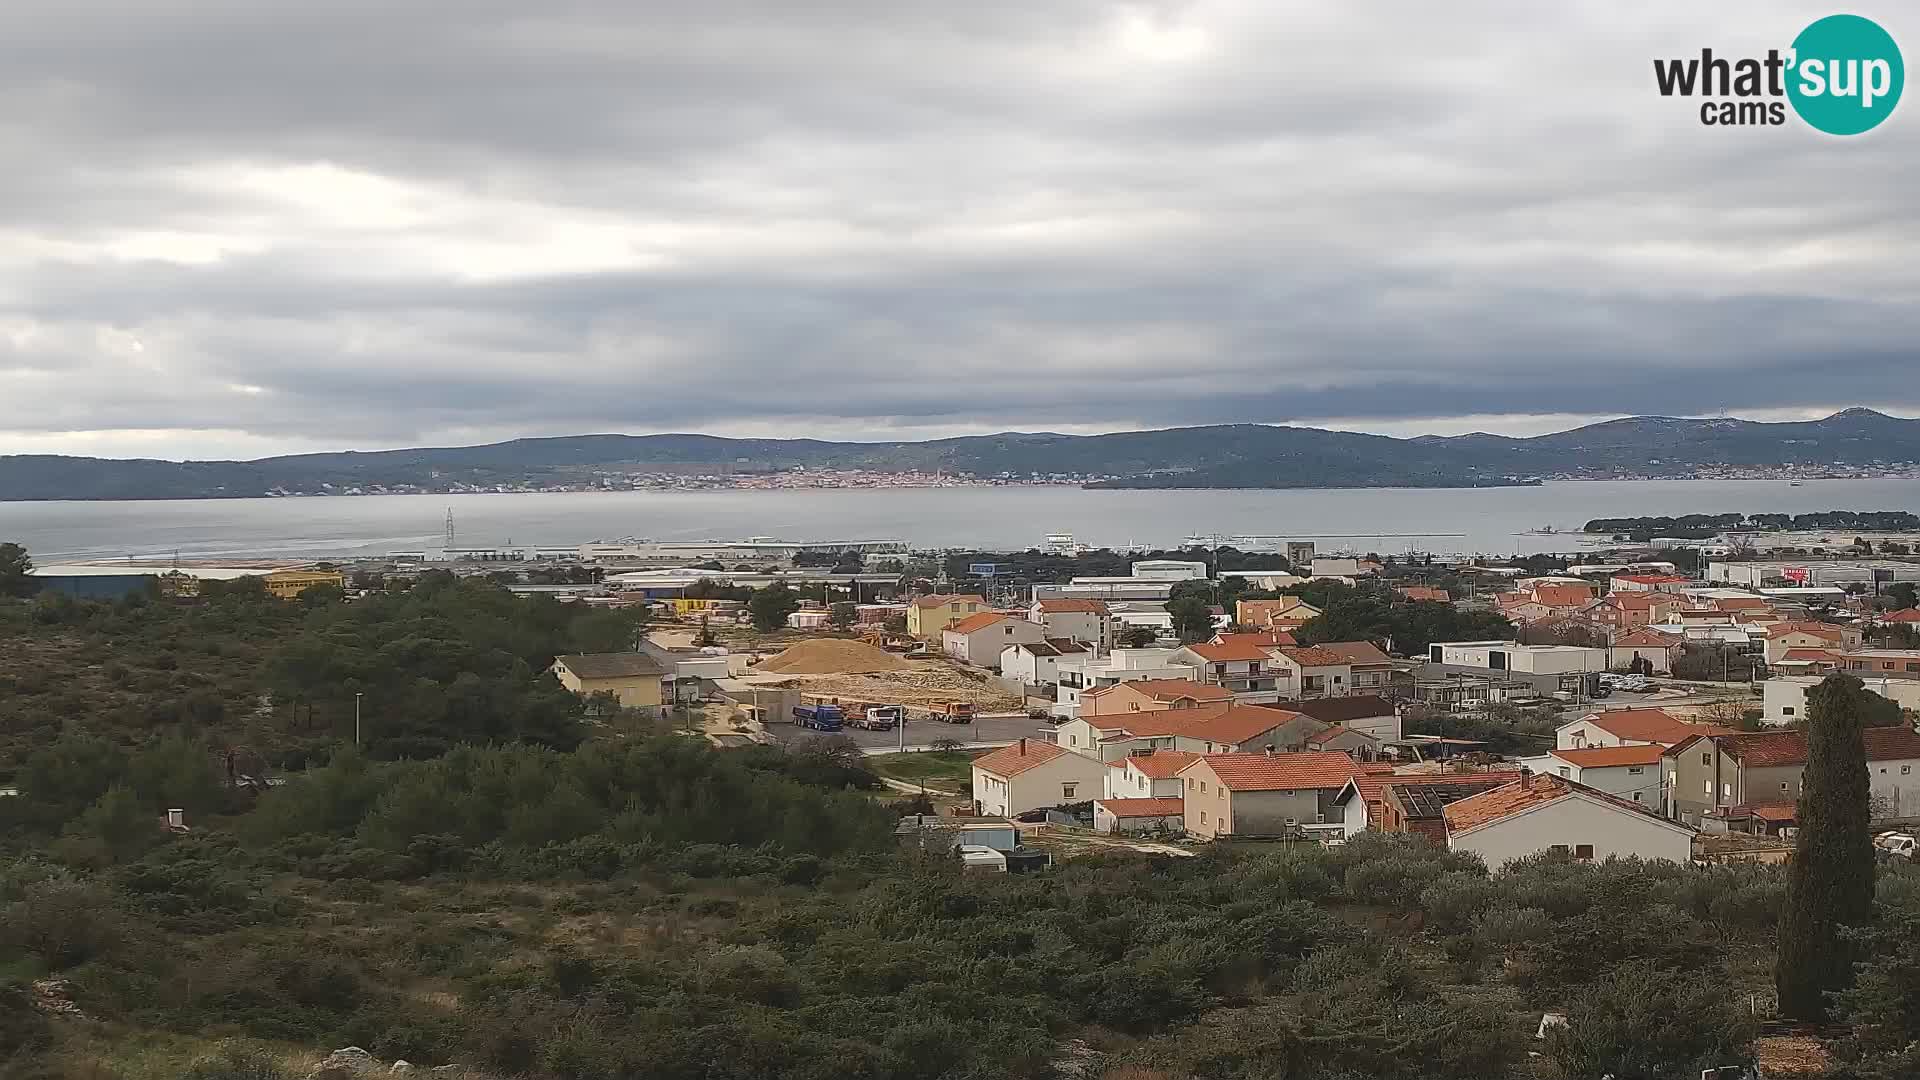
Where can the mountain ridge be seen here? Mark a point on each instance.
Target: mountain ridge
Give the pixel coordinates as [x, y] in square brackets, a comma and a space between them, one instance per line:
[1244, 455]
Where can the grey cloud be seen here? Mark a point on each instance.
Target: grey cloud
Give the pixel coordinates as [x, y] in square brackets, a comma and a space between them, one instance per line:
[378, 224]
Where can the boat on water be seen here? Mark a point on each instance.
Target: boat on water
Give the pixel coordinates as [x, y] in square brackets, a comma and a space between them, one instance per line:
[1794, 483]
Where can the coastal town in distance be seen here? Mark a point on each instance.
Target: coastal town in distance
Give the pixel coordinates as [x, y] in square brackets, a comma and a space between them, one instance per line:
[891, 540]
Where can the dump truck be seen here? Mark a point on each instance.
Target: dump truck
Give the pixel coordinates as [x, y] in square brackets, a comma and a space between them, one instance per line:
[819, 717]
[878, 717]
[953, 712]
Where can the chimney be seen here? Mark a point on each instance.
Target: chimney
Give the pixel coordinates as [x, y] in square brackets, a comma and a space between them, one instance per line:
[176, 818]
[1023, 746]
[1526, 778]
[1269, 749]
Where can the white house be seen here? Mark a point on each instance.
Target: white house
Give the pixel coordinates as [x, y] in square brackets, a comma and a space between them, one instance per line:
[1549, 813]
[1036, 663]
[1659, 650]
[1147, 776]
[1627, 727]
[1783, 698]
[1168, 815]
[1629, 772]
[1088, 622]
[1087, 672]
[1029, 774]
[1513, 656]
[979, 639]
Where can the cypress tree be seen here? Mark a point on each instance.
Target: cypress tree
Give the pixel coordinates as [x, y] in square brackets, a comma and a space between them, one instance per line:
[1830, 884]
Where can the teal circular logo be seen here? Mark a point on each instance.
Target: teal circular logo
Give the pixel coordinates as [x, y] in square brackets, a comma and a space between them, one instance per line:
[1847, 75]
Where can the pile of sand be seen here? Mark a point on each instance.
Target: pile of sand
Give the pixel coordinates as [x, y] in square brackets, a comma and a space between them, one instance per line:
[832, 656]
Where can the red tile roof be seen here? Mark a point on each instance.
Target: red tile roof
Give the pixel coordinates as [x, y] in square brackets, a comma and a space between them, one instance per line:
[1228, 651]
[1161, 764]
[1357, 653]
[1649, 725]
[1425, 592]
[1372, 786]
[1603, 757]
[1904, 615]
[1526, 793]
[1018, 757]
[1822, 656]
[1324, 737]
[1234, 724]
[1562, 595]
[1062, 607]
[1138, 808]
[1314, 656]
[1824, 630]
[973, 623]
[1768, 749]
[1281, 772]
[1166, 690]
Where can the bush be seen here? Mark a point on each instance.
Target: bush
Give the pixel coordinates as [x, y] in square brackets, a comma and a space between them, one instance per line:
[1641, 1023]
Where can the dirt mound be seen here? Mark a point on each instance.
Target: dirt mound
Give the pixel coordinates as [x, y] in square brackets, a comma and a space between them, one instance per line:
[832, 656]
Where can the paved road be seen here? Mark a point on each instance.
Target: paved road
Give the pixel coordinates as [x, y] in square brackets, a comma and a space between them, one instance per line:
[996, 729]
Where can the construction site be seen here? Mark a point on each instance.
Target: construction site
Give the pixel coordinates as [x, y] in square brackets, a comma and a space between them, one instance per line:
[858, 671]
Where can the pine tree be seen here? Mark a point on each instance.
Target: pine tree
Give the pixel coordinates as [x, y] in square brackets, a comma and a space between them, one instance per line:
[1830, 884]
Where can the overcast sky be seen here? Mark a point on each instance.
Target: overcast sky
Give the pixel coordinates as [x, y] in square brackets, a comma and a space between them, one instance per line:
[240, 228]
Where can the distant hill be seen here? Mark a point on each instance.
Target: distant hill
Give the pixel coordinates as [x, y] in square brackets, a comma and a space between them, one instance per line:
[1222, 456]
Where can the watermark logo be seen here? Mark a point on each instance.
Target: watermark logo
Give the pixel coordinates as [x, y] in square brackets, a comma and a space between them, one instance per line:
[1843, 75]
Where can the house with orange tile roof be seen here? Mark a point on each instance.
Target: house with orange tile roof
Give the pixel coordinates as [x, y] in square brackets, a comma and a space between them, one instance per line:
[1286, 613]
[1710, 772]
[1658, 649]
[1903, 617]
[1808, 662]
[928, 615]
[1148, 776]
[1312, 671]
[1393, 803]
[1628, 727]
[1263, 794]
[1140, 816]
[1207, 729]
[1782, 636]
[1369, 670]
[1417, 594]
[1088, 622]
[1150, 695]
[1236, 663]
[1031, 773]
[1537, 814]
[1631, 772]
[980, 639]
[1622, 611]
[1883, 663]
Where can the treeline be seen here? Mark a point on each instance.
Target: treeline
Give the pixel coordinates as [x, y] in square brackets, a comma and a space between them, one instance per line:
[1693, 524]
[1352, 613]
[428, 663]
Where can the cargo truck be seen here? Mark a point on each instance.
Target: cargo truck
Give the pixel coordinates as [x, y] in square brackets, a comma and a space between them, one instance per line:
[818, 717]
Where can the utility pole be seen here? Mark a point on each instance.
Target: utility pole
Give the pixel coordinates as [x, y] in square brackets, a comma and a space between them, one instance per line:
[356, 717]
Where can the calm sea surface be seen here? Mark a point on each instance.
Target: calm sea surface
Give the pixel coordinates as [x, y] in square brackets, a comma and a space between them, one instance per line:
[1483, 520]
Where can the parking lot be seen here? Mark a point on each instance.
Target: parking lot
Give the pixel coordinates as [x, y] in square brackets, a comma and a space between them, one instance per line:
[995, 729]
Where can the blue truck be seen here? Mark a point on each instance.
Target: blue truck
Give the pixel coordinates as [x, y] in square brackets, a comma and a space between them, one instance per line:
[819, 717]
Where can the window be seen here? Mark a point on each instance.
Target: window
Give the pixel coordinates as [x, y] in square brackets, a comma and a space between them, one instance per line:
[1203, 787]
[1291, 822]
[1786, 710]
[1706, 759]
[1636, 796]
[1559, 849]
[1564, 771]
[1203, 817]
[1583, 851]
[1067, 790]
[1190, 783]
[1783, 785]
[1073, 740]
[1635, 770]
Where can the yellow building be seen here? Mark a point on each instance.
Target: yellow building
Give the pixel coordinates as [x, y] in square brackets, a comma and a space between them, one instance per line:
[289, 584]
[634, 678]
[928, 615]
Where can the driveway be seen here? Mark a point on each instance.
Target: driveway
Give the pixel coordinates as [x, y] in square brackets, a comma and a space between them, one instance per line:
[993, 729]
